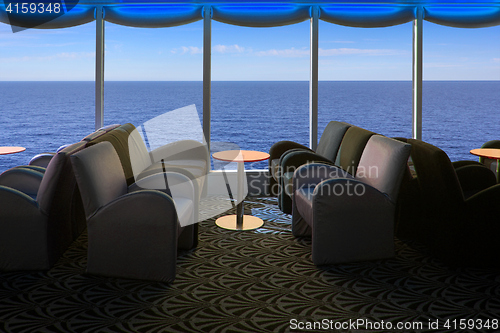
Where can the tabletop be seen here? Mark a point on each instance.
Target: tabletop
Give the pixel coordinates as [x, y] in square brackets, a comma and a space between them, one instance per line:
[240, 156]
[11, 150]
[486, 152]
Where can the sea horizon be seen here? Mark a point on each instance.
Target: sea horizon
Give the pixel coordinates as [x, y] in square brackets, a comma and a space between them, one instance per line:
[251, 114]
[248, 80]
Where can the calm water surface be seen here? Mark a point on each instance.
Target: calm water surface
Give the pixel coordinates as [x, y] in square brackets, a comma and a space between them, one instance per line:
[457, 115]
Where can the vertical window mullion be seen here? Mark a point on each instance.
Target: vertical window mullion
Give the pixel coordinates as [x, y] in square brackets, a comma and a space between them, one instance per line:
[313, 80]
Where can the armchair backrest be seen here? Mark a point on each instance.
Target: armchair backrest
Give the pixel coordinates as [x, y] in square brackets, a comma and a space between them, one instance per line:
[101, 131]
[383, 163]
[119, 138]
[100, 176]
[331, 138]
[489, 144]
[139, 155]
[49, 183]
[437, 178]
[351, 148]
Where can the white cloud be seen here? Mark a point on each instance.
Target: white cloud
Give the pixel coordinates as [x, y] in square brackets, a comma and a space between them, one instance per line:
[217, 49]
[496, 59]
[75, 55]
[293, 52]
[229, 48]
[352, 51]
[187, 49]
[287, 53]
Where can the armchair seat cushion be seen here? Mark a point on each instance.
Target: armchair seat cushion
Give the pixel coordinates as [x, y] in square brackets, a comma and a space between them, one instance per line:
[194, 171]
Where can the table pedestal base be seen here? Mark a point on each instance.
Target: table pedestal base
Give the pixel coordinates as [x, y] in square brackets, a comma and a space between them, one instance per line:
[249, 222]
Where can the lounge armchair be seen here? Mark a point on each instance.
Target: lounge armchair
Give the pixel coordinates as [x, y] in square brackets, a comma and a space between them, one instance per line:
[36, 215]
[347, 158]
[130, 234]
[472, 176]
[457, 227]
[351, 218]
[326, 151]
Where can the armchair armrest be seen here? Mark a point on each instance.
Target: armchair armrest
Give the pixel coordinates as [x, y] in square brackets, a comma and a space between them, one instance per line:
[294, 160]
[41, 159]
[135, 231]
[459, 164]
[33, 167]
[485, 202]
[295, 150]
[474, 178]
[281, 147]
[23, 232]
[23, 179]
[175, 184]
[314, 173]
[353, 221]
[183, 149]
[15, 204]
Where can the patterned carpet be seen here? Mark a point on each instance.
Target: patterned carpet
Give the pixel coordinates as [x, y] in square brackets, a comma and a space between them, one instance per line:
[255, 281]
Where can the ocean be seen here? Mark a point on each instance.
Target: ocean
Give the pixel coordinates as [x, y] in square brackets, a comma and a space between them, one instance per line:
[457, 115]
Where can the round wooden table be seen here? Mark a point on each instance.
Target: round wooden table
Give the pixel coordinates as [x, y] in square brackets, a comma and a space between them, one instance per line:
[240, 221]
[492, 153]
[11, 150]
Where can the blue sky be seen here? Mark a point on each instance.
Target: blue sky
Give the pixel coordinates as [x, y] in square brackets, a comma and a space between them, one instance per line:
[240, 53]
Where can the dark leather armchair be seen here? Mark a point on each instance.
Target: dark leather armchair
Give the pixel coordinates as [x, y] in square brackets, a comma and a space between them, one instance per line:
[287, 156]
[35, 223]
[351, 218]
[130, 234]
[457, 227]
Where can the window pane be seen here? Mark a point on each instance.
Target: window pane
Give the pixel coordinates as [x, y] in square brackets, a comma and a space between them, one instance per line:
[37, 111]
[149, 72]
[365, 77]
[461, 88]
[260, 89]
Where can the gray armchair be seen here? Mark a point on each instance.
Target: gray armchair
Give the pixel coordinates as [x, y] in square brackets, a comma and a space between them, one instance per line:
[32, 236]
[132, 233]
[286, 156]
[458, 228]
[351, 218]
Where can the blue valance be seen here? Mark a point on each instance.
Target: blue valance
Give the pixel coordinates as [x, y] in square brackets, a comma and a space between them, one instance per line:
[367, 16]
[153, 16]
[260, 15]
[463, 16]
[48, 20]
[368, 13]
